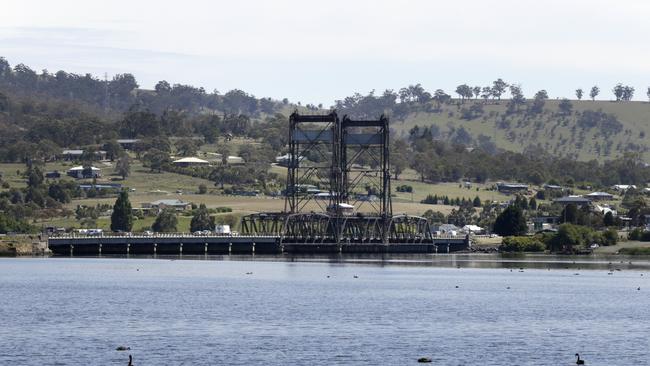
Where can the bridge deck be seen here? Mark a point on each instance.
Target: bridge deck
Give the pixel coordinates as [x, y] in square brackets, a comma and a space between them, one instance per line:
[226, 244]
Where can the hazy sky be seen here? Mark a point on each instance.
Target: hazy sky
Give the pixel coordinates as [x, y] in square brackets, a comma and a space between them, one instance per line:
[319, 51]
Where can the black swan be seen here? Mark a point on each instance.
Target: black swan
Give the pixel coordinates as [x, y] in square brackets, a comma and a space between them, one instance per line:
[579, 361]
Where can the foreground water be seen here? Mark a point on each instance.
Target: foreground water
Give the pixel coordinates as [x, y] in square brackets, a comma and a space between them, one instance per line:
[202, 312]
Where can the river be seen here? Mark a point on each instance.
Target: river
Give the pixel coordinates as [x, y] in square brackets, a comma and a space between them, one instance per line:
[457, 310]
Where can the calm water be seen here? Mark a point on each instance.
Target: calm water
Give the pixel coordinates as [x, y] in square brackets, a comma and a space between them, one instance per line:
[202, 312]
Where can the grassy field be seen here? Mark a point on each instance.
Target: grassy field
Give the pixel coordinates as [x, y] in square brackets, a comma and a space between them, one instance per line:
[625, 244]
[547, 130]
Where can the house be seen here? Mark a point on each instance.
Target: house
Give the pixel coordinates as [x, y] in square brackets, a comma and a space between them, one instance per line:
[235, 160]
[128, 144]
[599, 196]
[575, 200]
[509, 188]
[191, 161]
[553, 187]
[448, 229]
[544, 223]
[472, 229]
[53, 175]
[604, 209]
[104, 186]
[160, 205]
[230, 160]
[76, 154]
[285, 159]
[80, 172]
[623, 187]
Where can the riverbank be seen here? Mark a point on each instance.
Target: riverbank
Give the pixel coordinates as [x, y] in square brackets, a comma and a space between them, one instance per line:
[631, 247]
[14, 246]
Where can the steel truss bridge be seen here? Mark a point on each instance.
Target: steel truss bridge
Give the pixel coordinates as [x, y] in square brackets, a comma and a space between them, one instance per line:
[338, 187]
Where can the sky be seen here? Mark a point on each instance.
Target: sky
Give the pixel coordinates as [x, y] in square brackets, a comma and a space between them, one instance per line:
[320, 51]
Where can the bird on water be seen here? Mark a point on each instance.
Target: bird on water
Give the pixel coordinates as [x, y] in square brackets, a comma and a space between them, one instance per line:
[130, 361]
[579, 361]
[424, 360]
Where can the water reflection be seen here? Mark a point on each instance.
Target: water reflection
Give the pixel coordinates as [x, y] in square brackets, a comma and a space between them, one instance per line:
[463, 260]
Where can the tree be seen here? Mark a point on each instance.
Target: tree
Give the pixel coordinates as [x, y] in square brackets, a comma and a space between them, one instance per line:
[532, 204]
[123, 166]
[648, 93]
[570, 214]
[201, 220]
[166, 222]
[203, 189]
[113, 150]
[186, 147]
[477, 92]
[224, 151]
[618, 91]
[156, 159]
[498, 88]
[122, 216]
[565, 107]
[539, 102]
[465, 91]
[594, 92]
[476, 202]
[517, 97]
[628, 93]
[608, 220]
[510, 222]
[579, 93]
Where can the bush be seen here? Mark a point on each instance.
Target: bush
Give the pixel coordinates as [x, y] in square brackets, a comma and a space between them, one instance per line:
[203, 189]
[404, 188]
[635, 251]
[522, 244]
[640, 235]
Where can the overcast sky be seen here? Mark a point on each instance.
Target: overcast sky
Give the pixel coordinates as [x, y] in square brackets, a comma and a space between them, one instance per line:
[320, 51]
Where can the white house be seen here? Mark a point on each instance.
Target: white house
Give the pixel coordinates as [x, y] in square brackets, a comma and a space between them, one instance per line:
[81, 172]
[191, 161]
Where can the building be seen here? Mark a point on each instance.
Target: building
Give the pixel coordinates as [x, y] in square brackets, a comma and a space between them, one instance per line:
[76, 154]
[473, 229]
[623, 187]
[160, 205]
[80, 172]
[191, 161]
[553, 187]
[53, 175]
[575, 200]
[445, 229]
[510, 188]
[128, 144]
[599, 196]
[604, 209]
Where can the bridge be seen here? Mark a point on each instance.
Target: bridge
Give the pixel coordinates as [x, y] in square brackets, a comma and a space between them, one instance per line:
[180, 244]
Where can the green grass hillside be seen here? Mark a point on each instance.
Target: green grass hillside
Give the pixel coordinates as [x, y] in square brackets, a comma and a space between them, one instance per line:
[584, 133]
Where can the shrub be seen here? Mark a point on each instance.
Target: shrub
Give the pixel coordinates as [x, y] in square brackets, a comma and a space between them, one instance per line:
[522, 244]
[203, 189]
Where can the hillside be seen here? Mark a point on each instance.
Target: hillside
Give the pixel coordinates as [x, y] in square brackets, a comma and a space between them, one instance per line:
[590, 131]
